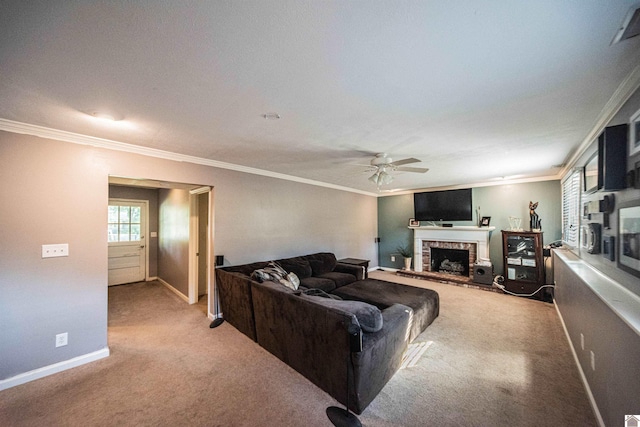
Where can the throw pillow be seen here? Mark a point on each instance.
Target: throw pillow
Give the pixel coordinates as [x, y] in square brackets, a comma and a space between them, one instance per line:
[291, 281]
[275, 273]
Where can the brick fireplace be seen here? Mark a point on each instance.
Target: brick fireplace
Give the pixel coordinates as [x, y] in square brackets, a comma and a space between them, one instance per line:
[473, 239]
[449, 257]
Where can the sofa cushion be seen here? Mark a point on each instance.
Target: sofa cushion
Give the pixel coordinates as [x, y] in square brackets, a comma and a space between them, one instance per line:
[326, 285]
[300, 266]
[369, 316]
[322, 262]
[340, 279]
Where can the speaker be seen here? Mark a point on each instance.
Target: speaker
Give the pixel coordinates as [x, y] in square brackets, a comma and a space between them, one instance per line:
[483, 274]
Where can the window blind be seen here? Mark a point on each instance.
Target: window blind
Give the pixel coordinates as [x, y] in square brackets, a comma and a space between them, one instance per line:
[571, 209]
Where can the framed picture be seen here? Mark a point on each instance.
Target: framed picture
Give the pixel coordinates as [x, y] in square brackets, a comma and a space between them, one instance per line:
[485, 221]
[629, 237]
[590, 172]
[634, 130]
[414, 223]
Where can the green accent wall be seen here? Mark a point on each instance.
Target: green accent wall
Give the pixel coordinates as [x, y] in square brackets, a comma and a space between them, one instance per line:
[499, 202]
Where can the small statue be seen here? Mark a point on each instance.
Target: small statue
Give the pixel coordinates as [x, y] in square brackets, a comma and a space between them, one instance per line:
[535, 222]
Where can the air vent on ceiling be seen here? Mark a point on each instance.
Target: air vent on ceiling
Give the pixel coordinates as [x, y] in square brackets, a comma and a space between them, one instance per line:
[630, 26]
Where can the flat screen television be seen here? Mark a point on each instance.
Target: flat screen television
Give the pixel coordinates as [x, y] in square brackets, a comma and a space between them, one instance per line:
[448, 205]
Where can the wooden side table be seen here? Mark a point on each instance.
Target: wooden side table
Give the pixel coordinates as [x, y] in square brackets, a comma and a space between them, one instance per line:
[364, 263]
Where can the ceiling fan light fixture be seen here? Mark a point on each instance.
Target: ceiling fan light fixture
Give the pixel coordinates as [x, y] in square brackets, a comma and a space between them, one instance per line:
[384, 166]
[381, 178]
[385, 178]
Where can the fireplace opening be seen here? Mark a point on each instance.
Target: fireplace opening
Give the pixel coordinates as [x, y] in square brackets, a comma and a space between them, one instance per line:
[450, 261]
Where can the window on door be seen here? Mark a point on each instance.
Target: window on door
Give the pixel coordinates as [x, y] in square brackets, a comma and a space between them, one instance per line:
[124, 224]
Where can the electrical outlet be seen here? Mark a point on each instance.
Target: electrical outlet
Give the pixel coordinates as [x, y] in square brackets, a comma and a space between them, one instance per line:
[52, 251]
[62, 339]
[582, 341]
[593, 361]
[393, 258]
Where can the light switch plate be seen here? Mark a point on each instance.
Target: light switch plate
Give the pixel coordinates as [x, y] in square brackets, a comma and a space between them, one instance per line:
[53, 251]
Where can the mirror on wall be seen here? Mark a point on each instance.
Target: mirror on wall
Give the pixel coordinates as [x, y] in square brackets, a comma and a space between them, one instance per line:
[591, 174]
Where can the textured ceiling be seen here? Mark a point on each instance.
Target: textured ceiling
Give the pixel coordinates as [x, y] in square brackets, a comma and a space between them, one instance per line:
[477, 90]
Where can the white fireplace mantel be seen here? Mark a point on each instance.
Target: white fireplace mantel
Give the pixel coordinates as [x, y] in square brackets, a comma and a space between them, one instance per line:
[463, 234]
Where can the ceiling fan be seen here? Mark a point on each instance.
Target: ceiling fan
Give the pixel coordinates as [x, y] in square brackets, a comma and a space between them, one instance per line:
[382, 166]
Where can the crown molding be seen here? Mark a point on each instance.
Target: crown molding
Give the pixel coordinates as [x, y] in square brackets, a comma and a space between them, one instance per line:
[76, 138]
[475, 185]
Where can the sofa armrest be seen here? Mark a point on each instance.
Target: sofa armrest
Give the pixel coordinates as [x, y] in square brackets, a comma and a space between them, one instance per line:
[381, 356]
[356, 270]
[234, 292]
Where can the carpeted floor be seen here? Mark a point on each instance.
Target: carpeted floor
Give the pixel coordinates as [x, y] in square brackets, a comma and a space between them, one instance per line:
[494, 360]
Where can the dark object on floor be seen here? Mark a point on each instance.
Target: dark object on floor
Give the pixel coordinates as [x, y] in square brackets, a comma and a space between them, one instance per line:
[342, 418]
[216, 322]
[483, 274]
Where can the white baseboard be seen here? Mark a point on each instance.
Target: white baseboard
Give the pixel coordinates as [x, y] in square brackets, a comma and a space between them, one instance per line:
[53, 369]
[174, 290]
[592, 400]
[393, 270]
[151, 279]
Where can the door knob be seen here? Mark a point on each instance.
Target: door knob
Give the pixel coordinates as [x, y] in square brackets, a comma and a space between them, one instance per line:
[142, 247]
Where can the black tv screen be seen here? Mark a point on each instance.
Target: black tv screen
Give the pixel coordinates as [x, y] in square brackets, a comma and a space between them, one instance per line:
[449, 205]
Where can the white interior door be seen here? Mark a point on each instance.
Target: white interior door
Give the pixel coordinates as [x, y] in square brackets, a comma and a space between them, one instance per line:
[127, 245]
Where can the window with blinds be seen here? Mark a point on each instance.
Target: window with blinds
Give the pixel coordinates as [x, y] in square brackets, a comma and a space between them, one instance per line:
[571, 209]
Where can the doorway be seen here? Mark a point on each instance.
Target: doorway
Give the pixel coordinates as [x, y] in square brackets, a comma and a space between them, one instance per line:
[200, 241]
[180, 240]
[203, 250]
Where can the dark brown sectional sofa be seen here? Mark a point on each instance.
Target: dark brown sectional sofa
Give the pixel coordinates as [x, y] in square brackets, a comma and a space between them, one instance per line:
[310, 333]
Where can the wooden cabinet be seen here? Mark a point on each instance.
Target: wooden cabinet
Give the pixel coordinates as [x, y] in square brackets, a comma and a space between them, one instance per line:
[523, 262]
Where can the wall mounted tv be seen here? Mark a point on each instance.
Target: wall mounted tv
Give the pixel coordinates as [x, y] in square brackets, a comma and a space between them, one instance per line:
[449, 205]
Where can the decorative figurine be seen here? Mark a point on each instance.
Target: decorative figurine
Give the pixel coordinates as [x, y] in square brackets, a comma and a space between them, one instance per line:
[535, 222]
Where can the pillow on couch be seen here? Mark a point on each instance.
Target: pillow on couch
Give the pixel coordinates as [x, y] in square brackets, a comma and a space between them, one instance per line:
[369, 316]
[275, 273]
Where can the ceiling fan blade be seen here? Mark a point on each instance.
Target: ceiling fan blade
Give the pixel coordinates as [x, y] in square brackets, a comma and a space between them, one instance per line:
[412, 169]
[405, 162]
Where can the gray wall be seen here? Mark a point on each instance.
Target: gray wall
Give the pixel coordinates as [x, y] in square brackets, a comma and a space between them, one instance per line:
[499, 202]
[57, 192]
[616, 345]
[150, 195]
[614, 382]
[173, 238]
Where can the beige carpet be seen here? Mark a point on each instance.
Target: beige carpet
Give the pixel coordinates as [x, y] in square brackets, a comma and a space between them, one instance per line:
[495, 360]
